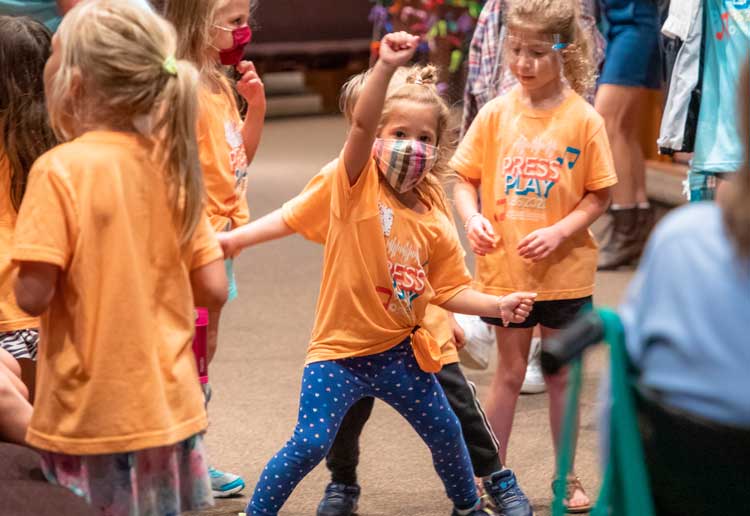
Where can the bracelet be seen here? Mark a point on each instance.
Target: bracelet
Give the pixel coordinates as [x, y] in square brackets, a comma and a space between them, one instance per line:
[469, 219]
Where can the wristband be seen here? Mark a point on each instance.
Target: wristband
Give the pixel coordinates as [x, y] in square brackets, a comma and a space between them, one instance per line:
[469, 219]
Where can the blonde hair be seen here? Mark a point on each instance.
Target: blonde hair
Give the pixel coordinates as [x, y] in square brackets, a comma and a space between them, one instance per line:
[737, 203]
[563, 18]
[194, 20]
[352, 88]
[420, 86]
[117, 69]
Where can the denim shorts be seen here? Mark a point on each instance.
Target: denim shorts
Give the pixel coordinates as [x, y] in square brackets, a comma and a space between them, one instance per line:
[633, 55]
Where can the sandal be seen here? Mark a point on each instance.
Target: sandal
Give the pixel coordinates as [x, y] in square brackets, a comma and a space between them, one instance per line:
[572, 484]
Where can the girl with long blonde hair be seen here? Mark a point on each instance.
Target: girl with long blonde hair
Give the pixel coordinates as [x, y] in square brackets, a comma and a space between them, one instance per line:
[114, 251]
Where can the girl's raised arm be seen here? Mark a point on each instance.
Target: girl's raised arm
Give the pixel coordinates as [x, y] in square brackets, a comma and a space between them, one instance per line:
[396, 50]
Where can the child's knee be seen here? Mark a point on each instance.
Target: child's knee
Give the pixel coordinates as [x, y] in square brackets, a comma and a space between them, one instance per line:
[512, 377]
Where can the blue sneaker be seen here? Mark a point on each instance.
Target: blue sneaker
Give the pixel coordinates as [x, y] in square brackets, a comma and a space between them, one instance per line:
[225, 484]
[339, 500]
[504, 491]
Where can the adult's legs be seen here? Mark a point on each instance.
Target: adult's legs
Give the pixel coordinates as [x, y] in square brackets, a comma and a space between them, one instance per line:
[343, 458]
[513, 351]
[620, 108]
[480, 440]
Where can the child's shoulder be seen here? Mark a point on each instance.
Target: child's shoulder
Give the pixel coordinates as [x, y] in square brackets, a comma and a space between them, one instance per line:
[580, 109]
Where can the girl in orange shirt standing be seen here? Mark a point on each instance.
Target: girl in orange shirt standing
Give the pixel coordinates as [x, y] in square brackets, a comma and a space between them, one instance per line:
[541, 159]
[114, 251]
[25, 46]
[213, 34]
[390, 250]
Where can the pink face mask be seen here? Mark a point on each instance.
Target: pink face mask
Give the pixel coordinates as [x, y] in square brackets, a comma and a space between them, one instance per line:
[241, 37]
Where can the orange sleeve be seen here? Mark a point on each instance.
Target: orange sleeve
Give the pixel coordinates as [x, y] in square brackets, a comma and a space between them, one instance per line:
[47, 225]
[350, 203]
[469, 156]
[600, 166]
[206, 248]
[447, 272]
[309, 212]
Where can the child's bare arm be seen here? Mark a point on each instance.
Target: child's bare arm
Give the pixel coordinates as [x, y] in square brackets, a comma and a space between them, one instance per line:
[513, 308]
[251, 88]
[35, 286]
[269, 227]
[479, 230]
[541, 243]
[210, 285]
[396, 49]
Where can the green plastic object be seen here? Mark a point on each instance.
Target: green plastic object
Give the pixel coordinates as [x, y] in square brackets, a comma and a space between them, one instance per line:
[625, 490]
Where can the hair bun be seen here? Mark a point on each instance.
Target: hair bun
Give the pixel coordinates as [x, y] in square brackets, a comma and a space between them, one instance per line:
[423, 75]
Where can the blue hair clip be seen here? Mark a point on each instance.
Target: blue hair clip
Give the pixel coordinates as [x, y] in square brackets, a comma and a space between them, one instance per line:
[559, 45]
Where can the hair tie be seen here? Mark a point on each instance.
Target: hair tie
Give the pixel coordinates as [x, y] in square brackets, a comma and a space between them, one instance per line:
[170, 65]
[418, 81]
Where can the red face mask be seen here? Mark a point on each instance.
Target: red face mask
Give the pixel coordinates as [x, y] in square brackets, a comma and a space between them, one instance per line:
[233, 55]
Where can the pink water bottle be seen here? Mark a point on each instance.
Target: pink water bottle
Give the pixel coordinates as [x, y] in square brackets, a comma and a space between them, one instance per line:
[200, 343]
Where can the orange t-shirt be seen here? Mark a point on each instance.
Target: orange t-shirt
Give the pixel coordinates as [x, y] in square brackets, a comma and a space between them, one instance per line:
[223, 160]
[116, 370]
[383, 262]
[12, 318]
[535, 166]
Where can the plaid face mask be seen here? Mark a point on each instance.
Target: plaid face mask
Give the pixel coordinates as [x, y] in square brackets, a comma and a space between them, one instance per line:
[404, 163]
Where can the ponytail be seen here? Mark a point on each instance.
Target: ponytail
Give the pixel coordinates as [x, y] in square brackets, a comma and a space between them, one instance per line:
[178, 148]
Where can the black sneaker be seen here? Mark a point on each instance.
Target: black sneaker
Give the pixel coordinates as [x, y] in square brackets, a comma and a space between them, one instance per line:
[339, 500]
[507, 495]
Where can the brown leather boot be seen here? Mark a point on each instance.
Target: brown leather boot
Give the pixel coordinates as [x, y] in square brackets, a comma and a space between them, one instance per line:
[624, 245]
[646, 220]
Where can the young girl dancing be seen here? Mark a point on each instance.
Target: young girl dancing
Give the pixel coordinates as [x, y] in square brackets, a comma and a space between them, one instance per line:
[390, 250]
[115, 250]
[309, 215]
[541, 157]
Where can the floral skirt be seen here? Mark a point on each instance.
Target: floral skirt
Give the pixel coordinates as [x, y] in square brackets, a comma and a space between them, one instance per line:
[162, 481]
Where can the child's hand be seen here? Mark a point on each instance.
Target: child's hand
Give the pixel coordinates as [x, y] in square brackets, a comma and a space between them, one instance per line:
[459, 337]
[539, 244]
[481, 235]
[228, 244]
[397, 48]
[516, 307]
[251, 87]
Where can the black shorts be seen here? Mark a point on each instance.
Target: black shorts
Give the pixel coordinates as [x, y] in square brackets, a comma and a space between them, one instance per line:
[550, 314]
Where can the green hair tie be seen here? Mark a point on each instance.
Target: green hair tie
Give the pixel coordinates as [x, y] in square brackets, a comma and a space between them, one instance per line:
[170, 65]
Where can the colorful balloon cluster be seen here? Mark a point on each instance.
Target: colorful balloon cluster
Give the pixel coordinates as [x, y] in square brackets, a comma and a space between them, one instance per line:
[440, 22]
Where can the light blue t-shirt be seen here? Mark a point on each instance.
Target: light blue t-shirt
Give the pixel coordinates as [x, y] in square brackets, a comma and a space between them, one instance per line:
[44, 11]
[687, 317]
[726, 45]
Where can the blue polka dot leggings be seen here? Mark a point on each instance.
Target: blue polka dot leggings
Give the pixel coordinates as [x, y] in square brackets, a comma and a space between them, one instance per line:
[330, 388]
